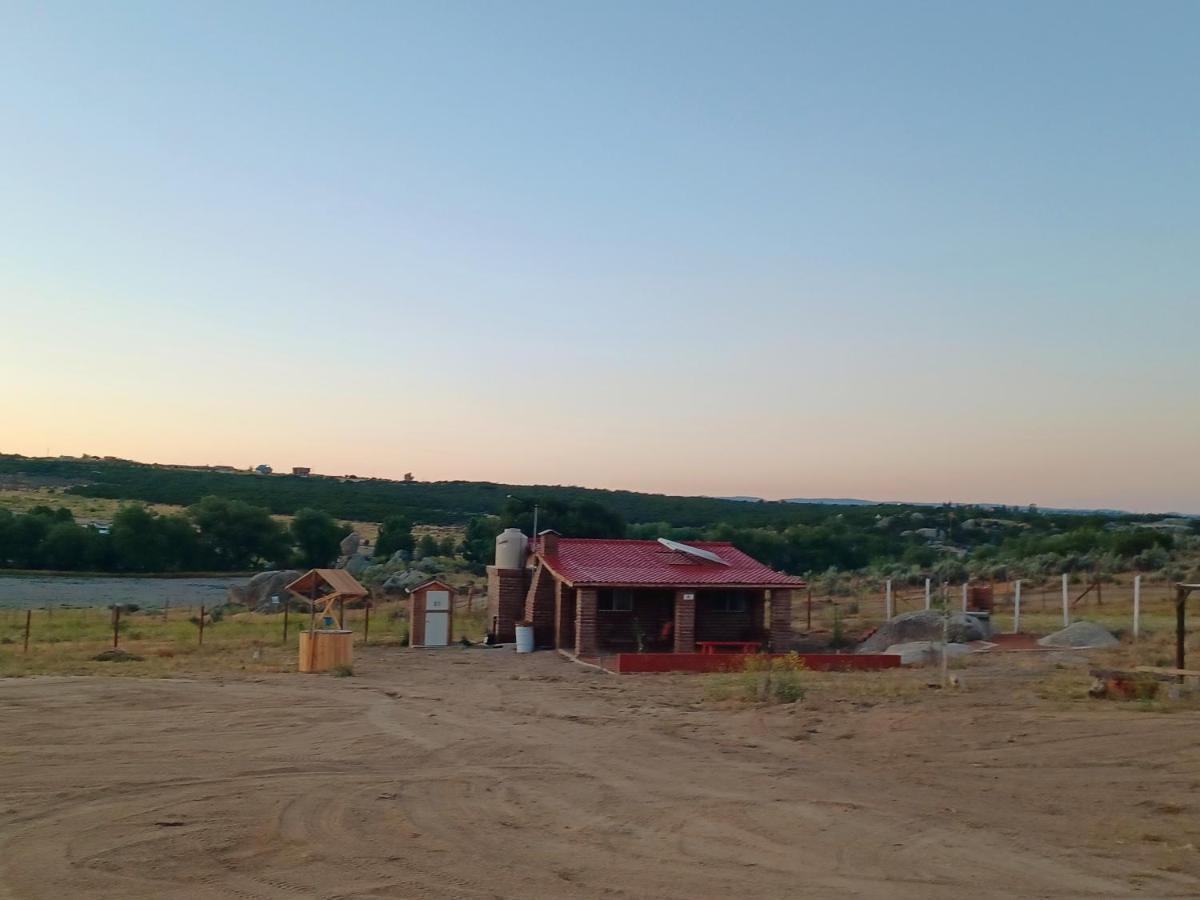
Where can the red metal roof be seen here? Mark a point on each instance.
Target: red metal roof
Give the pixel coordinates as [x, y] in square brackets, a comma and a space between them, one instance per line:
[599, 563]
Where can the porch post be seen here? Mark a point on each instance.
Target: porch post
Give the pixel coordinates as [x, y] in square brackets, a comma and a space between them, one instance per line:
[585, 622]
[685, 621]
[781, 619]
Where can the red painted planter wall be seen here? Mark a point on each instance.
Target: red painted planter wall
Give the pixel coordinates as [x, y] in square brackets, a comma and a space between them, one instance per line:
[626, 663]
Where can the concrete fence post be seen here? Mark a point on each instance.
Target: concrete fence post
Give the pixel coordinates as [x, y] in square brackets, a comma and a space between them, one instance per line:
[1066, 599]
[964, 592]
[1017, 607]
[928, 595]
[888, 608]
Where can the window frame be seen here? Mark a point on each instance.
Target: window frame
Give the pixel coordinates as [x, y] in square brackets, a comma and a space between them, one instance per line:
[615, 600]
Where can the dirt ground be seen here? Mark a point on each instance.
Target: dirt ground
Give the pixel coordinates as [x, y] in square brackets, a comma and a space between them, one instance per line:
[477, 773]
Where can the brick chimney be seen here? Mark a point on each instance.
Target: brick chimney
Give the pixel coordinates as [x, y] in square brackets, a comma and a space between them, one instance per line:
[548, 542]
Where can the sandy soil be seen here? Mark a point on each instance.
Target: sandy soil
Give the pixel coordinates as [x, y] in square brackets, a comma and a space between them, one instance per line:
[473, 773]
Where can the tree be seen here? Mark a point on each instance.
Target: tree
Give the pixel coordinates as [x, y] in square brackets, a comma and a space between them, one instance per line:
[317, 537]
[137, 541]
[479, 541]
[428, 546]
[235, 534]
[394, 534]
[448, 546]
[67, 547]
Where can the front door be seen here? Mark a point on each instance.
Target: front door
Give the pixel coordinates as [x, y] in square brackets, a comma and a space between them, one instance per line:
[437, 618]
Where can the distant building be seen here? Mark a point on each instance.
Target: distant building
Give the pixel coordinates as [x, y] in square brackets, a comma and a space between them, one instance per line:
[263, 469]
[302, 471]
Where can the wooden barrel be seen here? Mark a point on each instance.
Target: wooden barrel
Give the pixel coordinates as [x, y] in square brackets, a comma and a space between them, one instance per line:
[320, 651]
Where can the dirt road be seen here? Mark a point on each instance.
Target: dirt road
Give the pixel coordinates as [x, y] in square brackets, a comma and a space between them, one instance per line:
[482, 774]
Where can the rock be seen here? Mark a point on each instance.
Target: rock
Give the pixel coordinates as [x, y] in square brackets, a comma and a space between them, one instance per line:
[256, 594]
[402, 581]
[356, 565]
[923, 653]
[350, 544]
[1081, 635]
[399, 558]
[923, 625]
[117, 656]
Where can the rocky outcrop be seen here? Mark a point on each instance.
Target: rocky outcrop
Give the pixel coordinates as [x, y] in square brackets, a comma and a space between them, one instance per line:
[1081, 635]
[256, 594]
[923, 625]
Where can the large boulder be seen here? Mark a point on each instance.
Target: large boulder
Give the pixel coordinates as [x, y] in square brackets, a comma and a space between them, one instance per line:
[923, 625]
[402, 581]
[1081, 635]
[350, 544]
[356, 565]
[256, 594]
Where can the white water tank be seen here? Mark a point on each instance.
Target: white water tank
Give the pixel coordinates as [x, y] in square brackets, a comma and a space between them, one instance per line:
[510, 549]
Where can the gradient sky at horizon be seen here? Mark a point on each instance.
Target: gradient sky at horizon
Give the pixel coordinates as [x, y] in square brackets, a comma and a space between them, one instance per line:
[926, 251]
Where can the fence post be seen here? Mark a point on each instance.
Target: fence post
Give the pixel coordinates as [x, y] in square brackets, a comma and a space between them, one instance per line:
[28, 616]
[888, 610]
[808, 612]
[202, 626]
[285, 621]
[1017, 607]
[928, 595]
[116, 623]
[1137, 604]
[965, 583]
[1066, 599]
[367, 622]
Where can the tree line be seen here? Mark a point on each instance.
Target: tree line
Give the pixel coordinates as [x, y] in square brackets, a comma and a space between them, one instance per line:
[214, 534]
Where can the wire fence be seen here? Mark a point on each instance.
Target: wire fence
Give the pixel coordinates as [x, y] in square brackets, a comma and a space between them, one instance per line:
[1131, 604]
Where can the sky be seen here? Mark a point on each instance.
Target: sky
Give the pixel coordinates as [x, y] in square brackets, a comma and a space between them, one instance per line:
[899, 250]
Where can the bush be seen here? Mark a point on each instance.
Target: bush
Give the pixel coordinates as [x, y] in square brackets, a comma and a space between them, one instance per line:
[777, 679]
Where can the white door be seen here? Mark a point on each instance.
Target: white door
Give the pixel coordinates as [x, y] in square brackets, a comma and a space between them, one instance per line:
[437, 618]
[437, 629]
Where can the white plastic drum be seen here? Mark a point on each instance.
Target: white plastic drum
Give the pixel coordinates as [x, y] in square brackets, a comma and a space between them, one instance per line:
[524, 638]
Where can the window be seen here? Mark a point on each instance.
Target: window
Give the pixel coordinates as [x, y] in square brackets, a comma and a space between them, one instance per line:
[728, 602]
[615, 601]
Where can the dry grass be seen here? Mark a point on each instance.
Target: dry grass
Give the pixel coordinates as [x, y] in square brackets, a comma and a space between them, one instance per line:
[63, 641]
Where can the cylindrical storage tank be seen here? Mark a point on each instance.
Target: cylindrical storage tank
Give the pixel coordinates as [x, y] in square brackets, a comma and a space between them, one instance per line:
[524, 638]
[510, 549]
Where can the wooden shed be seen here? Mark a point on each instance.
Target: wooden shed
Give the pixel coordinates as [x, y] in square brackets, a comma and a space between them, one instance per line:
[430, 614]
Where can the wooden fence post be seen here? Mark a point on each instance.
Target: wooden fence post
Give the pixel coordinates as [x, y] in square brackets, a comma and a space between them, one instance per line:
[28, 616]
[285, 620]
[116, 623]
[367, 622]
[201, 625]
[1066, 599]
[888, 600]
[1137, 604]
[964, 592]
[808, 612]
[928, 595]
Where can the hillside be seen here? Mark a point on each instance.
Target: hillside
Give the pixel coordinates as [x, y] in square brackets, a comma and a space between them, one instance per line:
[373, 499]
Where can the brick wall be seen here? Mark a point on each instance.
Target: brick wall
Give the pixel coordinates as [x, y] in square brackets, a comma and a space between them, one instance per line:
[539, 606]
[506, 600]
[685, 622]
[564, 616]
[585, 622]
[781, 619]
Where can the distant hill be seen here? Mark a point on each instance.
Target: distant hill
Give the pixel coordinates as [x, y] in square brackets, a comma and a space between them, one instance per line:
[438, 502]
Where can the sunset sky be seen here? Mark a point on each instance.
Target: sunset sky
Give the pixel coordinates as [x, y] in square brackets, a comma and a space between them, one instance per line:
[926, 251]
